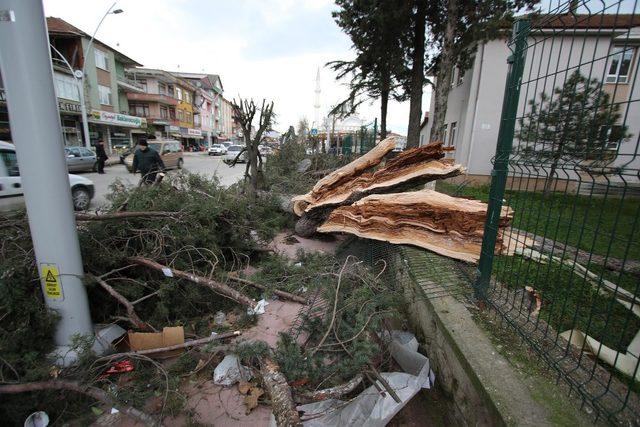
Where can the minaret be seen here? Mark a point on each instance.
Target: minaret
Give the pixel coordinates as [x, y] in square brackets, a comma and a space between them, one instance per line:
[316, 104]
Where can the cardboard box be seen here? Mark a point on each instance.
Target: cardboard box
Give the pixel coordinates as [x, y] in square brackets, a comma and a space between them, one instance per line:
[168, 337]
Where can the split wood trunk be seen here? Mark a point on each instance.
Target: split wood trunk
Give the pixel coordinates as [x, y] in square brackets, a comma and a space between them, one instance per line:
[449, 226]
[282, 405]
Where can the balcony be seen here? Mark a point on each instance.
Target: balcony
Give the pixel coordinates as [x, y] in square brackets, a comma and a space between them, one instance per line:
[128, 84]
[152, 97]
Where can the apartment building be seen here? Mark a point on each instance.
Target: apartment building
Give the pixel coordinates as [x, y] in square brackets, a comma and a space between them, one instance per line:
[226, 120]
[167, 103]
[604, 47]
[208, 102]
[104, 88]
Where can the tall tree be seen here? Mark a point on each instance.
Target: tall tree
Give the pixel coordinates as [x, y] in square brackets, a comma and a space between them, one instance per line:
[245, 112]
[576, 124]
[456, 27]
[417, 79]
[376, 29]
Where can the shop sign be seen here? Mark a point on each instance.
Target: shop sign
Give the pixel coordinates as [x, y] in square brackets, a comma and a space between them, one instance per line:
[118, 119]
[160, 122]
[174, 128]
[69, 107]
[194, 132]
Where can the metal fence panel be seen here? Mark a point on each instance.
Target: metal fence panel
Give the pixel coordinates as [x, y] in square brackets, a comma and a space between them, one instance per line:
[567, 164]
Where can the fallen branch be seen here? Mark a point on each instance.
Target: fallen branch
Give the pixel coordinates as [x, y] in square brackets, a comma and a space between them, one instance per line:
[83, 216]
[282, 405]
[217, 287]
[128, 305]
[187, 344]
[329, 393]
[77, 387]
[281, 294]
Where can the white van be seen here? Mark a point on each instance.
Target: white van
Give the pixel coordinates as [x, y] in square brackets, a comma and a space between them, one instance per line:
[11, 194]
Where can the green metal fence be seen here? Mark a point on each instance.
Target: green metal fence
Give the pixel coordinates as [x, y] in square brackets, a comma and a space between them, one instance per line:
[567, 164]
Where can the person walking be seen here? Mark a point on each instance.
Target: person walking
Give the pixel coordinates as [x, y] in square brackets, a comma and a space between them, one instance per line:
[101, 156]
[147, 161]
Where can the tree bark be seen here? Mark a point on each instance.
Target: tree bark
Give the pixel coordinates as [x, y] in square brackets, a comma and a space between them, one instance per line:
[282, 405]
[417, 76]
[384, 102]
[77, 387]
[217, 287]
[443, 77]
[329, 393]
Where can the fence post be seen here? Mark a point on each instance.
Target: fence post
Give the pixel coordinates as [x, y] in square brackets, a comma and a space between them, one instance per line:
[503, 150]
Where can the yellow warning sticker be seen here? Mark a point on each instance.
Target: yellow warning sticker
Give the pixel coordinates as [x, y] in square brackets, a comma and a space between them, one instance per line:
[51, 281]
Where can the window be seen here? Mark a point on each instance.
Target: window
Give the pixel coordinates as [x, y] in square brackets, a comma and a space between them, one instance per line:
[163, 112]
[452, 134]
[611, 137]
[453, 77]
[162, 88]
[102, 59]
[179, 93]
[172, 113]
[444, 133]
[10, 162]
[180, 115]
[143, 83]
[140, 110]
[460, 77]
[66, 87]
[104, 93]
[85, 152]
[620, 65]
[187, 117]
[187, 97]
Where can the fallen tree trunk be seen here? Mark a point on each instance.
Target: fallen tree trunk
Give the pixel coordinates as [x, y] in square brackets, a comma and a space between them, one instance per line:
[188, 344]
[446, 225]
[77, 387]
[84, 216]
[281, 294]
[282, 405]
[415, 166]
[217, 287]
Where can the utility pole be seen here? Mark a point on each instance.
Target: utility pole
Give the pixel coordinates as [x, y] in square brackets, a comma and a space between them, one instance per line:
[25, 63]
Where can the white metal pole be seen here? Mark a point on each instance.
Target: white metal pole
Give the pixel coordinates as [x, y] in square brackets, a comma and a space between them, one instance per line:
[25, 63]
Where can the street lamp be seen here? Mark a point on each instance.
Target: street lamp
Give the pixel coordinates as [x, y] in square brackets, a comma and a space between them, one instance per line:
[79, 74]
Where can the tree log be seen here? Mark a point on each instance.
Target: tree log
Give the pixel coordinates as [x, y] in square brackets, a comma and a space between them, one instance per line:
[217, 287]
[330, 393]
[282, 405]
[281, 294]
[410, 168]
[76, 387]
[84, 216]
[131, 311]
[449, 226]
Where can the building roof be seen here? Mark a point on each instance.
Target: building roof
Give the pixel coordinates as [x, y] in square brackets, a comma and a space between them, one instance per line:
[58, 26]
[586, 22]
[208, 81]
[162, 75]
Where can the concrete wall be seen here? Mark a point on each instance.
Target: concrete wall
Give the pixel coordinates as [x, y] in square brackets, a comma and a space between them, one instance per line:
[92, 79]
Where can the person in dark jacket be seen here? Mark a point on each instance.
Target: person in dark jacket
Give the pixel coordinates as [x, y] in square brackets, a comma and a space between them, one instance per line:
[101, 156]
[147, 161]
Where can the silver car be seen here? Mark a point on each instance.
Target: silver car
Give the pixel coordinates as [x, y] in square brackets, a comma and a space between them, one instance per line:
[81, 159]
[232, 153]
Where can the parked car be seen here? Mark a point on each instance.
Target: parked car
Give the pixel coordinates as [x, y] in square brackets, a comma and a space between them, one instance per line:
[217, 150]
[227, 144]
[11, 194]
[124, 153]
[232, 153]
[81, 159]
[265, 150]
[170, 151]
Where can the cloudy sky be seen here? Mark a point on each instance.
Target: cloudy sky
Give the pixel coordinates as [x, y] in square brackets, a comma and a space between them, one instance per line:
[261, 48]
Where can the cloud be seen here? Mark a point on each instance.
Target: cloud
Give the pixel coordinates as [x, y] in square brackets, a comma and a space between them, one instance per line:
[261, 48]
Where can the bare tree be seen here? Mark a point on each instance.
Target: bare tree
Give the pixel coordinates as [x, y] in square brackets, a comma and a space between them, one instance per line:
[244, 112]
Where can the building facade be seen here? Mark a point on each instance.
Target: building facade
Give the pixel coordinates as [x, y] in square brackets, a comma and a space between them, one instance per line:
[227, 130]
[104, 87]
[167, 103]
[474, 103]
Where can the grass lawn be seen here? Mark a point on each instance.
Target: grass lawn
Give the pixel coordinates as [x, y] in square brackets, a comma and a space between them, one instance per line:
[597, 225]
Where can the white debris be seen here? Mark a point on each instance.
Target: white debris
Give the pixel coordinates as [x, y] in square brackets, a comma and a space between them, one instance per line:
[230, 371]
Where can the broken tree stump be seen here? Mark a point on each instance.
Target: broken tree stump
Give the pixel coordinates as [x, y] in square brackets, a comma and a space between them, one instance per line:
[446, 225]
[282, 405]
[410, 168]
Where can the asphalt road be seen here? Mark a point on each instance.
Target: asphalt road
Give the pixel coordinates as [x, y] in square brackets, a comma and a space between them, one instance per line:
[199, 163]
